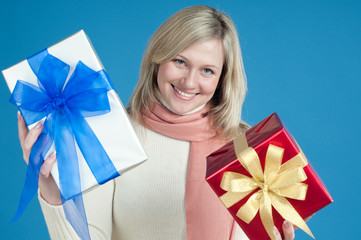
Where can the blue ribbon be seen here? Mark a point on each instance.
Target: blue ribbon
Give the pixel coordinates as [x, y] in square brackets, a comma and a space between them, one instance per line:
[64, 110]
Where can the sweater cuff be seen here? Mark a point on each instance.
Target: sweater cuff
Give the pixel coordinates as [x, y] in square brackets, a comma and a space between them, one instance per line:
[58, 226]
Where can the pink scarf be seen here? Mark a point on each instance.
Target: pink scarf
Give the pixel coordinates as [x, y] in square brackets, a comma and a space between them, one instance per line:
[206, 217]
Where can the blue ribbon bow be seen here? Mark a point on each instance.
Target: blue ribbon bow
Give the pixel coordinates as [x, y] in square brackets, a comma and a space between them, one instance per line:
[64, 110]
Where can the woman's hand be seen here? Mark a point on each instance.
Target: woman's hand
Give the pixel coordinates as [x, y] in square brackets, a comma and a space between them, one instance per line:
[288, 230]
[48, 188]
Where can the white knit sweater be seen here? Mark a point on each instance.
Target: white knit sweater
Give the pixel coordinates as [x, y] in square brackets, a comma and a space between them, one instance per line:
[145, 203]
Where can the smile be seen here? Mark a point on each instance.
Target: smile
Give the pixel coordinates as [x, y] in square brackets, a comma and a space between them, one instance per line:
[187, 95]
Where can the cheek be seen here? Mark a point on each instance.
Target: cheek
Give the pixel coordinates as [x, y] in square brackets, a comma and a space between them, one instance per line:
[210, 87]
[165, 74]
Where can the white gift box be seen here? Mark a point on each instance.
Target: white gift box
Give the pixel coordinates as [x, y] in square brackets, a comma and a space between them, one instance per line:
[113, 129]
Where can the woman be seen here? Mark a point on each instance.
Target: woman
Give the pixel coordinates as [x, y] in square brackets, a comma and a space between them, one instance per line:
[186, 104]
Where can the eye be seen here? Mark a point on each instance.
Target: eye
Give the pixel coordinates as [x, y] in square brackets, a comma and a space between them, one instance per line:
[207, 71]
[179, 61]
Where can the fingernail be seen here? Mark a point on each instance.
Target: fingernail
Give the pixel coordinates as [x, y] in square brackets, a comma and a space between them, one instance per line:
[39, 125]
[53, 155]
[19, 115]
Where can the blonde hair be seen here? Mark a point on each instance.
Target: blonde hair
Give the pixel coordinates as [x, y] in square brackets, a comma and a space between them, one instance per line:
[183, 29]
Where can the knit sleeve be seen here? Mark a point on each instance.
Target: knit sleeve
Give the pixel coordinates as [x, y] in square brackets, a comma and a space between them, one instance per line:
[240, 235]
[98, 204]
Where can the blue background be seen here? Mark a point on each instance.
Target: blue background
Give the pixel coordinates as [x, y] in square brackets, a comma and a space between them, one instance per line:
[302, 60]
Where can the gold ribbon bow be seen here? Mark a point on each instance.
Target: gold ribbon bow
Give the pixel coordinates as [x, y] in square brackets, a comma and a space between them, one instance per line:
[275, 184]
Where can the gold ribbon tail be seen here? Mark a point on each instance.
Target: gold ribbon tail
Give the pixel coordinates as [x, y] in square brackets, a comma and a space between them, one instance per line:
[265, 213]
[287, 211]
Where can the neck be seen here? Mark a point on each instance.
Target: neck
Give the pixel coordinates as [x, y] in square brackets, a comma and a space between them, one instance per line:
[181, 114]
[191, 127]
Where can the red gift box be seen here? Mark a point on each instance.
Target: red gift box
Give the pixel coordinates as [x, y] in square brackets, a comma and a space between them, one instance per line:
[269, 140]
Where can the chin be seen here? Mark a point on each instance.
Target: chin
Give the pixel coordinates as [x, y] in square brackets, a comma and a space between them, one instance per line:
[180, 108]
[185, 110]
[180, 111]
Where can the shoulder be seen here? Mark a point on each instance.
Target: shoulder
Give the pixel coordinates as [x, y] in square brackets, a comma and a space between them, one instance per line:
[149, 137]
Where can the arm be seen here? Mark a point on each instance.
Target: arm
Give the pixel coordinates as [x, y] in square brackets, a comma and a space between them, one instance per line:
[98, 206]
[98, 202]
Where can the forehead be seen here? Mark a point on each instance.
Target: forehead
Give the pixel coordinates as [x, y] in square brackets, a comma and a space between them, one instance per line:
[208, 52]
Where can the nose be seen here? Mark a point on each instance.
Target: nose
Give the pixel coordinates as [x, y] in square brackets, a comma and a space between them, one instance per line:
[190, 79]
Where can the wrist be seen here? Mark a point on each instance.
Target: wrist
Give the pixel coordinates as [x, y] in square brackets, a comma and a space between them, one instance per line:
[49, 191]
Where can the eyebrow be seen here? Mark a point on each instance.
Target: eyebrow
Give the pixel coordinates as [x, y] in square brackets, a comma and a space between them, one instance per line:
[207, 65]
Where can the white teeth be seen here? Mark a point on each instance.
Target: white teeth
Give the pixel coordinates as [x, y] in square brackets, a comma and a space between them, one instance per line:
[183, 93]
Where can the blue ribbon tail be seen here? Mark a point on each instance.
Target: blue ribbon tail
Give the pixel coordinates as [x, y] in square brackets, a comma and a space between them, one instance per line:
[69, 178]
[36, 158]
[75, 214]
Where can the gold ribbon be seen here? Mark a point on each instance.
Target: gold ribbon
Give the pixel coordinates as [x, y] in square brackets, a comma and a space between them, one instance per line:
[276, 183]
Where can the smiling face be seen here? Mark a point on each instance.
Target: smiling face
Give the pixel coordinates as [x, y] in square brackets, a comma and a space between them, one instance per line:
[190, 79]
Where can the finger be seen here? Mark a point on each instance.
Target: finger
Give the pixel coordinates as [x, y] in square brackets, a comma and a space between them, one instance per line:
[288, 230]
[32, 137]
[23, 131]
[305, 219]
[48, 165]
[277, 233]
[309, 217]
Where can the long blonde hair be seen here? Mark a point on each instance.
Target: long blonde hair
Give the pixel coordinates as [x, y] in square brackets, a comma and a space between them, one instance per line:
[183, 29]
